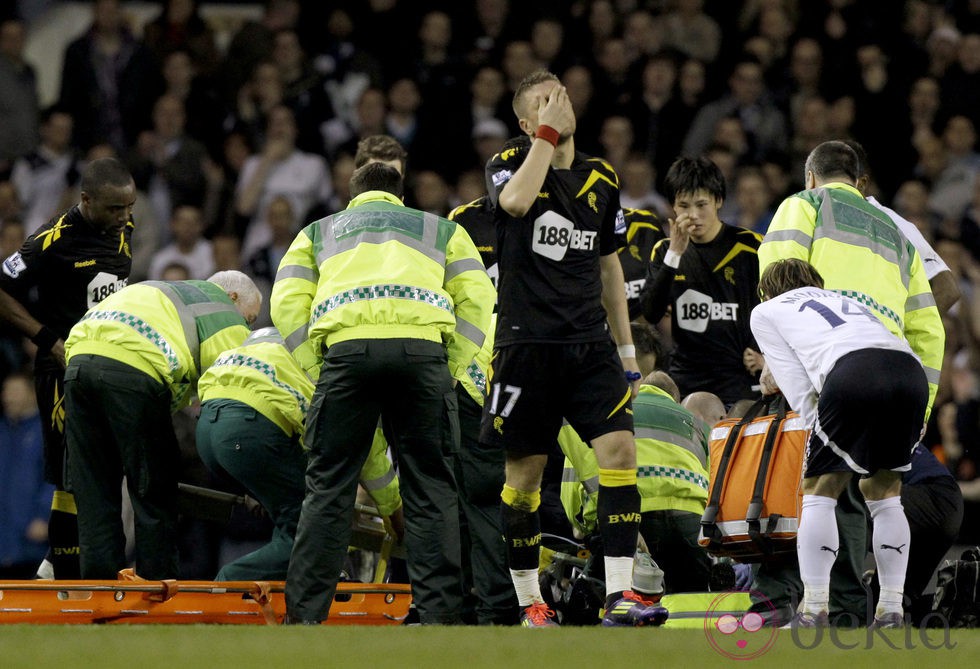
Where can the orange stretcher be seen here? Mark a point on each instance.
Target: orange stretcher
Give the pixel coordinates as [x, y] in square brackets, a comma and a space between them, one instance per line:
[175, 602]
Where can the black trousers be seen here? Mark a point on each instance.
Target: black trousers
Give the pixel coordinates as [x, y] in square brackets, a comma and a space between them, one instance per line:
[672, 537]
[119, 424]
[480, 474]
[407, 382]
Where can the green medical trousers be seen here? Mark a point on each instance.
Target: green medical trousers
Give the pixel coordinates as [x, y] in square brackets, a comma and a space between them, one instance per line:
[235, 440]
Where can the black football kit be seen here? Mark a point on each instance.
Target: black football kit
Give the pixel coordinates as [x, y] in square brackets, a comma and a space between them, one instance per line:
[711, 295]
[549, 294]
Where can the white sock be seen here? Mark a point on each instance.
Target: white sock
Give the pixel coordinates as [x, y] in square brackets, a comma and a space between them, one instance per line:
[526, 586]
[817, 544]
[891, 537]
[619, 573]
[45, 571]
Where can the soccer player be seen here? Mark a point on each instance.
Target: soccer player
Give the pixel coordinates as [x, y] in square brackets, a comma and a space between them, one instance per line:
[707, 274]
[561, 313]
[863, 393]
[68, 266]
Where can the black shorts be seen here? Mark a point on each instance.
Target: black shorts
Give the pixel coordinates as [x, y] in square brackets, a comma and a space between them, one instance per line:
[533, 387]
[869, 414]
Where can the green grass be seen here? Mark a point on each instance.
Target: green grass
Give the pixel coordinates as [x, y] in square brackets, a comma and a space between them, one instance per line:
[216, 647]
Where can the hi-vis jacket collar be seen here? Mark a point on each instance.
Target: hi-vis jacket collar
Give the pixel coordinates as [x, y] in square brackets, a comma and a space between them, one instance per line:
[375, 196]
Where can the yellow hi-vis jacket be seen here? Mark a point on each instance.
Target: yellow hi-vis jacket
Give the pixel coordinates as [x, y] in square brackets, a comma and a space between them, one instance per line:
[262, 374]
[671, 459]
[380, 270]
[860, 253]
[171, 330]
[477, 373]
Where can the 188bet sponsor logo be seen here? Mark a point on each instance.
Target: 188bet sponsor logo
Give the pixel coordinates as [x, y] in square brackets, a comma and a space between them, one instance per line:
[695, 311]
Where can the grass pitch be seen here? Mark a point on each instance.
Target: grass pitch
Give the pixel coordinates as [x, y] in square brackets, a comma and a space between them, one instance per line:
[232, 646]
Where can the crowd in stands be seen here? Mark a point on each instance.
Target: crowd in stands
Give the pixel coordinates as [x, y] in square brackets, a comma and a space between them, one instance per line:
[234, 149]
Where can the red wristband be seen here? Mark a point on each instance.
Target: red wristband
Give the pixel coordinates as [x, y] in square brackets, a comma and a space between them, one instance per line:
[548, 134]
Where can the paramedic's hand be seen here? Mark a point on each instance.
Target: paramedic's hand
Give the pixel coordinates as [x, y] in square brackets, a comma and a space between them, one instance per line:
[767, 382]
[743, 576]
[396, 524]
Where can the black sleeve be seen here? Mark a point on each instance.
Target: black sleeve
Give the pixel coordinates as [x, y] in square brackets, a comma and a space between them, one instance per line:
[500, 168]
[655, 296]
[20, 271]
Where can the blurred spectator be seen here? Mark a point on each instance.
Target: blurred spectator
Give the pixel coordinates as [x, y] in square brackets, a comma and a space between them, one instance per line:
[923, 108]
[689, 30]
[180, 27]
[204, 107]
[44, 177]
[253, 43]
[402, 120]
[548, 44]
[810, 126]
[279, 169]
[969, 228]
[264, 263]
[168, 164]
[489, 136]
[637, 189]
[430, 192]
[659, 116]
[613, 84]
[803, 77]
[255, 99]
[616, 139]
[341, 135]
[589, 110]
[10, 203]
[347, 68]
[303, 88]
[25, 498]
[226, 249]
[642, 35]
[753, 200]
[961, 82]
[188, 248]
[106, 81]
[19, 102]
[747, 99]
[942, 46]
[493, 27]
[518, 61]
[952, 165]
[340, 174]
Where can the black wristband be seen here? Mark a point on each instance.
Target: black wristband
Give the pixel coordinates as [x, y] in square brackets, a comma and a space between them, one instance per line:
[45, 339]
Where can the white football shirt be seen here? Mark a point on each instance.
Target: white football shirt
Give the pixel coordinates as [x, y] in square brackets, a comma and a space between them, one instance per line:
[804, 332]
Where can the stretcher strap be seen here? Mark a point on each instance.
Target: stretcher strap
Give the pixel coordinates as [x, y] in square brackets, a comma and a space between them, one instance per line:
[709, 525]
[260, 593]
[754, 511]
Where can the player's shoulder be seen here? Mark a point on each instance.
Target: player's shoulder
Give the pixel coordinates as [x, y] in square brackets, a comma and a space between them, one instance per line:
[746, 236]
[469, 209]
[600, 167]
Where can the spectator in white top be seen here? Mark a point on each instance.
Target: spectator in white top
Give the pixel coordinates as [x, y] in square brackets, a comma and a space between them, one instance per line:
[45, 177]
[279, 169]
[188, 248]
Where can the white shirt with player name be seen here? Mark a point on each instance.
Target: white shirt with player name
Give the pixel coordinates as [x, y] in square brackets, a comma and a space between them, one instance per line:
[804, 332]
[930, 259]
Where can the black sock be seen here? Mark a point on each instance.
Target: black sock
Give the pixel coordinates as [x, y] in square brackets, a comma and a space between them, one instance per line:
[522, 532]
